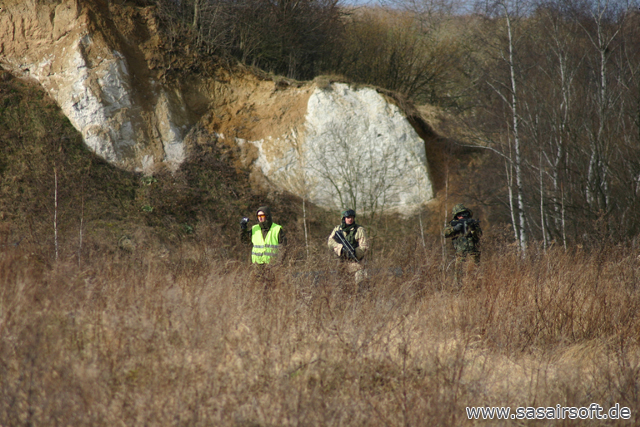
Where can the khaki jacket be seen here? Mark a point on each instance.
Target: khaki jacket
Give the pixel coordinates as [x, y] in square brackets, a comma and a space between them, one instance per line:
[361, 238]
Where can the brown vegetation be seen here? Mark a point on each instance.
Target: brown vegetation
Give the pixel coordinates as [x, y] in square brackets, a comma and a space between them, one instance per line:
[192, 338]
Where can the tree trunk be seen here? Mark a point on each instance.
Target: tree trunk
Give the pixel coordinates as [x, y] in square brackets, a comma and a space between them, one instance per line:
[518, 166]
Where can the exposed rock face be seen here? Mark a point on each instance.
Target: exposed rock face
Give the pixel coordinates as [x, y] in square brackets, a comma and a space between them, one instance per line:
[111, 98]
[335, 145]
[354, 149]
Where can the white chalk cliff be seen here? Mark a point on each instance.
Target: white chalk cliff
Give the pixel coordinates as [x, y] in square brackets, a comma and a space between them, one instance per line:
[354, 149]
[123, 114]
[102, 63]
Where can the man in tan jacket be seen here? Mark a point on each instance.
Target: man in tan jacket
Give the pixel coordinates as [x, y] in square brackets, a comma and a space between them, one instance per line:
[356, 236]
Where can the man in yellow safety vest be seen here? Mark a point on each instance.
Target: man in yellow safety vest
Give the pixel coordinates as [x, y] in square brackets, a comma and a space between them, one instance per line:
[267, 237]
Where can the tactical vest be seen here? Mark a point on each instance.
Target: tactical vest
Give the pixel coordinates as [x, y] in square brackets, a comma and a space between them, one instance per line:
[264, 249]
[351, 236]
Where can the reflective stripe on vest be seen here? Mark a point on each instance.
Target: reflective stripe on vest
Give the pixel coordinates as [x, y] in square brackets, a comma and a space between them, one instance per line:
[264, 248]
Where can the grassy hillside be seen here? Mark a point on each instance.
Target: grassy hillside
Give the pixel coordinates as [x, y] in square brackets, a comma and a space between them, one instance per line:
[43, 158]
[53, 188]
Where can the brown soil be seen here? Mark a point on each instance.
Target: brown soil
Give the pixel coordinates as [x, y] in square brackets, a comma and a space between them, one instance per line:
[251, 108]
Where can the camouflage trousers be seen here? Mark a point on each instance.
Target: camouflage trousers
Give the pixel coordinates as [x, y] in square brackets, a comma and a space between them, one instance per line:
[465, 263]
[356, 270]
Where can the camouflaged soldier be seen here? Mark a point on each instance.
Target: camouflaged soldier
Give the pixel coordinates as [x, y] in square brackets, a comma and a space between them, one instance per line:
[357, 238]
[465, 233]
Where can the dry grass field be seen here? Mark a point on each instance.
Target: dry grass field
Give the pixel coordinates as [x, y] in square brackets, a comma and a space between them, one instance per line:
[193, 339]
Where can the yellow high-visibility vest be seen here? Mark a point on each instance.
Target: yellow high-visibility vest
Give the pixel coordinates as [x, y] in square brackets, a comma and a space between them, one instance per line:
[264, 249]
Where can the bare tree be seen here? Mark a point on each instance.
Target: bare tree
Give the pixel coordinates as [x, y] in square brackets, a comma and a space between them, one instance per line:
[505, 16]
[300, 182]
[288, 37]
[355, 173]
[362, 172]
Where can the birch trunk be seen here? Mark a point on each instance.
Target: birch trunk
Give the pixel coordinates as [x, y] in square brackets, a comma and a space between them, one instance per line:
[517, 164]
[55, 211]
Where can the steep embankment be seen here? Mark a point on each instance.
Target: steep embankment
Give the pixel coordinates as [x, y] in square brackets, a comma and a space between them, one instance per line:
[106, 66]
[52, 189]
[58, 196]
[101, 63]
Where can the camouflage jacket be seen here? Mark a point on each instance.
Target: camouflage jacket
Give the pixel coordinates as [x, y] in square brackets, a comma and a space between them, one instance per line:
[464, 243]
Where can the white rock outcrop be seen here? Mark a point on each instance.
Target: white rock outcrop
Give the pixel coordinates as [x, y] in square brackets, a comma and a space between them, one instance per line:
[92, 82]
[97, 100]
[355, 149]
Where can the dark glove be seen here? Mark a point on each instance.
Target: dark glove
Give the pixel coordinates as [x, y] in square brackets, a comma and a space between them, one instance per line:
[243, 223]
[459, 227]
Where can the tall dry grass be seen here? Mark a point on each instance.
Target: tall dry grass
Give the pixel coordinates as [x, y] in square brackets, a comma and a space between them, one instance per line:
[135, 339]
